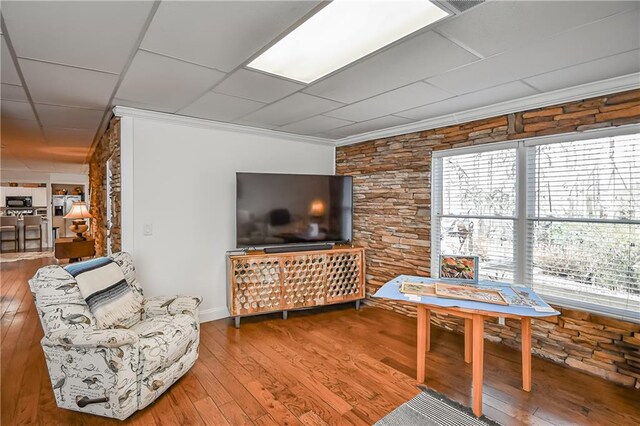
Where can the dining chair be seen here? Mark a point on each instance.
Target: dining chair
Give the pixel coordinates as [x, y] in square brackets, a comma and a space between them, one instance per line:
[9, 224]
[32, 223]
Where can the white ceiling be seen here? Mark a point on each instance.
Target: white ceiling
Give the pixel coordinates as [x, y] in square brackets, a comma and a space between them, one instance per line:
[66, 64]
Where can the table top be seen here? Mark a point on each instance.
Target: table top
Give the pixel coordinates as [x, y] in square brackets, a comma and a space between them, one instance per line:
[71, 240]
[539, 308]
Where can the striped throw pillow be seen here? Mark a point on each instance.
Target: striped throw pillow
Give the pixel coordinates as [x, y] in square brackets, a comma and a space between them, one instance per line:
[106, 291]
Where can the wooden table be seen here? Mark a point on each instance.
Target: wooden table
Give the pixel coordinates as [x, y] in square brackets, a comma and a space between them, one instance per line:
[67, 248]
[473, 330]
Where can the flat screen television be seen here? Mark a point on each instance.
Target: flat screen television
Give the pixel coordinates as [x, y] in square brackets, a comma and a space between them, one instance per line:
[286, 209]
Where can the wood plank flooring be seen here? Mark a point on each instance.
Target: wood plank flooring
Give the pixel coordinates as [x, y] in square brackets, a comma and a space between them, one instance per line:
[333, 366]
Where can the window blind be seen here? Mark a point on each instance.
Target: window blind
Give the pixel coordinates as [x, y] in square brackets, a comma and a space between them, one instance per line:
[476, 193]
[584, 222]
[561, 215]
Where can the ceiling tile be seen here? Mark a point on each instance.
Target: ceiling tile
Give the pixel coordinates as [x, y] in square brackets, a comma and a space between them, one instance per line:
[368, 126]
[71, 168]
[420, 57]
[600, 69]
[245, 123]
[9, 162]
[498, 26]
[13, 93]
[8, 73]
[313, 125]
[256, 86]
[141, 105]
[61, 116]
[164, 82]
[469, 101]
[407, 97]
[99, 35]
[607, 37]
[20, 132]
[61, 136]
[293, 108]
[19, 110]
[221, 35]
[67, 86]
[214, 106]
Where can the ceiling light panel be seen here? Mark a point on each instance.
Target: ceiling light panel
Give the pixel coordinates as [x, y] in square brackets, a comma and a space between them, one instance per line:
[343, 32]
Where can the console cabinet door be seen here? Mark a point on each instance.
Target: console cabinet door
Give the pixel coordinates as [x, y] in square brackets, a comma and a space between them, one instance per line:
[255, 285]
[344, 272]
[304, 281]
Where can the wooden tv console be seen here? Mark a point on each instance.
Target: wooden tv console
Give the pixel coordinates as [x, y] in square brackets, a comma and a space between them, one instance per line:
[261, 283]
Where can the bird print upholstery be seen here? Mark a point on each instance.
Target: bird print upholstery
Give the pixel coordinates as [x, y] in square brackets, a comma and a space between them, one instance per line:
[113, 372]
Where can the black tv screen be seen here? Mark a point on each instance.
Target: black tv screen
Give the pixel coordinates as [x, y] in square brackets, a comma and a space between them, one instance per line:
[281, 209]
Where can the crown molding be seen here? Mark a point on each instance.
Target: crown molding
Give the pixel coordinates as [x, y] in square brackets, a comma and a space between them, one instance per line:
[570, 94]
[120, 111]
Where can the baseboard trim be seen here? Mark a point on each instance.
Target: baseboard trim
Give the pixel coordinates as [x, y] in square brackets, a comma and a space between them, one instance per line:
[213, 314]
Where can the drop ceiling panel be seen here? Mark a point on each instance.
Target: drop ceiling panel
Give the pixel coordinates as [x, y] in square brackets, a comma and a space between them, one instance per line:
[368, 126]
[61, 116]
[215, 106]
[293, 108]
[600, 69]
[13, 93]
[313, 125]
[19, 110]
[8, 73]
[67, 86]
[256, 86]
[9, 162]
[495, 27]
[71, 168]
[20, 133]
[469, 101]
[61, 136]
[223, 34]
[141, 105]
[99, 35]
[415, 59]
[407, 97]
[164, 82]
[607, 37]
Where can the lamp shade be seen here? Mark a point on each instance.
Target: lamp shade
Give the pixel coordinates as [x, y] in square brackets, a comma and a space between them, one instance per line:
[78, 211]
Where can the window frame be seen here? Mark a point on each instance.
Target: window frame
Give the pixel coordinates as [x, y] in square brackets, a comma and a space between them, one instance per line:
[523, 250]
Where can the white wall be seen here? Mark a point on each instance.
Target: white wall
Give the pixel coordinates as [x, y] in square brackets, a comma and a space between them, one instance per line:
[183, 186]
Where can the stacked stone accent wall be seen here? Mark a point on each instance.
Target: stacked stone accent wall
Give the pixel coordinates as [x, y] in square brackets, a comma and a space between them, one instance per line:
[392, 214]
[107, 148]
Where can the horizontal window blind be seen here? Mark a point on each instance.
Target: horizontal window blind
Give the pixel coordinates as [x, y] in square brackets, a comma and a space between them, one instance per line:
[584, 214]
[573, 204]
[480, 184]
[592, 179]
[476, 193]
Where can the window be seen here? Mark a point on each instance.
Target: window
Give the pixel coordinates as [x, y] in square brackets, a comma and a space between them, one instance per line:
[561, 215]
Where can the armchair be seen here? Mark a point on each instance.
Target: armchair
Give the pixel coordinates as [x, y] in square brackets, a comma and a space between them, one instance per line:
[113, 372]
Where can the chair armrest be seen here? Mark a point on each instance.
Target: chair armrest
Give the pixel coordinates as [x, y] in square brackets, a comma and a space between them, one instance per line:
[171, 305]
[90, 338]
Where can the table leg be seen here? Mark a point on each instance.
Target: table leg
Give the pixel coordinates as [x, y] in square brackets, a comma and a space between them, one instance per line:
[478, 354]
[526, 353]
[427, 339]
[468, 340]
[422, 342]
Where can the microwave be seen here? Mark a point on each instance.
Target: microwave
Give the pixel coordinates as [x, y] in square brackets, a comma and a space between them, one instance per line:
[15, 201]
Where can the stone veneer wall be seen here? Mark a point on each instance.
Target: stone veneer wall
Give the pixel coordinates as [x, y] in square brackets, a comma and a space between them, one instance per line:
[107, 147]
[392, 196]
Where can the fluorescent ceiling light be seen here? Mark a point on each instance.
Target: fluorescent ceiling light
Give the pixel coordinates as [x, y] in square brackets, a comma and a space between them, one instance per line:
[343, 32]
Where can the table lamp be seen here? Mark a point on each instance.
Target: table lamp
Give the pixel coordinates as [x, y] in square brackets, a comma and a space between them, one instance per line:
[78, 213]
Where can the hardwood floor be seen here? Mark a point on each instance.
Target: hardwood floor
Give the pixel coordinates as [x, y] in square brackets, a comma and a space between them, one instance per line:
[331, 366]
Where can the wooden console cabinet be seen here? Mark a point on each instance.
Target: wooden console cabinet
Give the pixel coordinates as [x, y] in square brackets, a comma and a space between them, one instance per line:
[261, 283]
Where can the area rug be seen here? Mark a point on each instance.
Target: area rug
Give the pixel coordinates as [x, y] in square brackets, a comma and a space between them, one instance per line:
[30, 255]
[433, 408]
